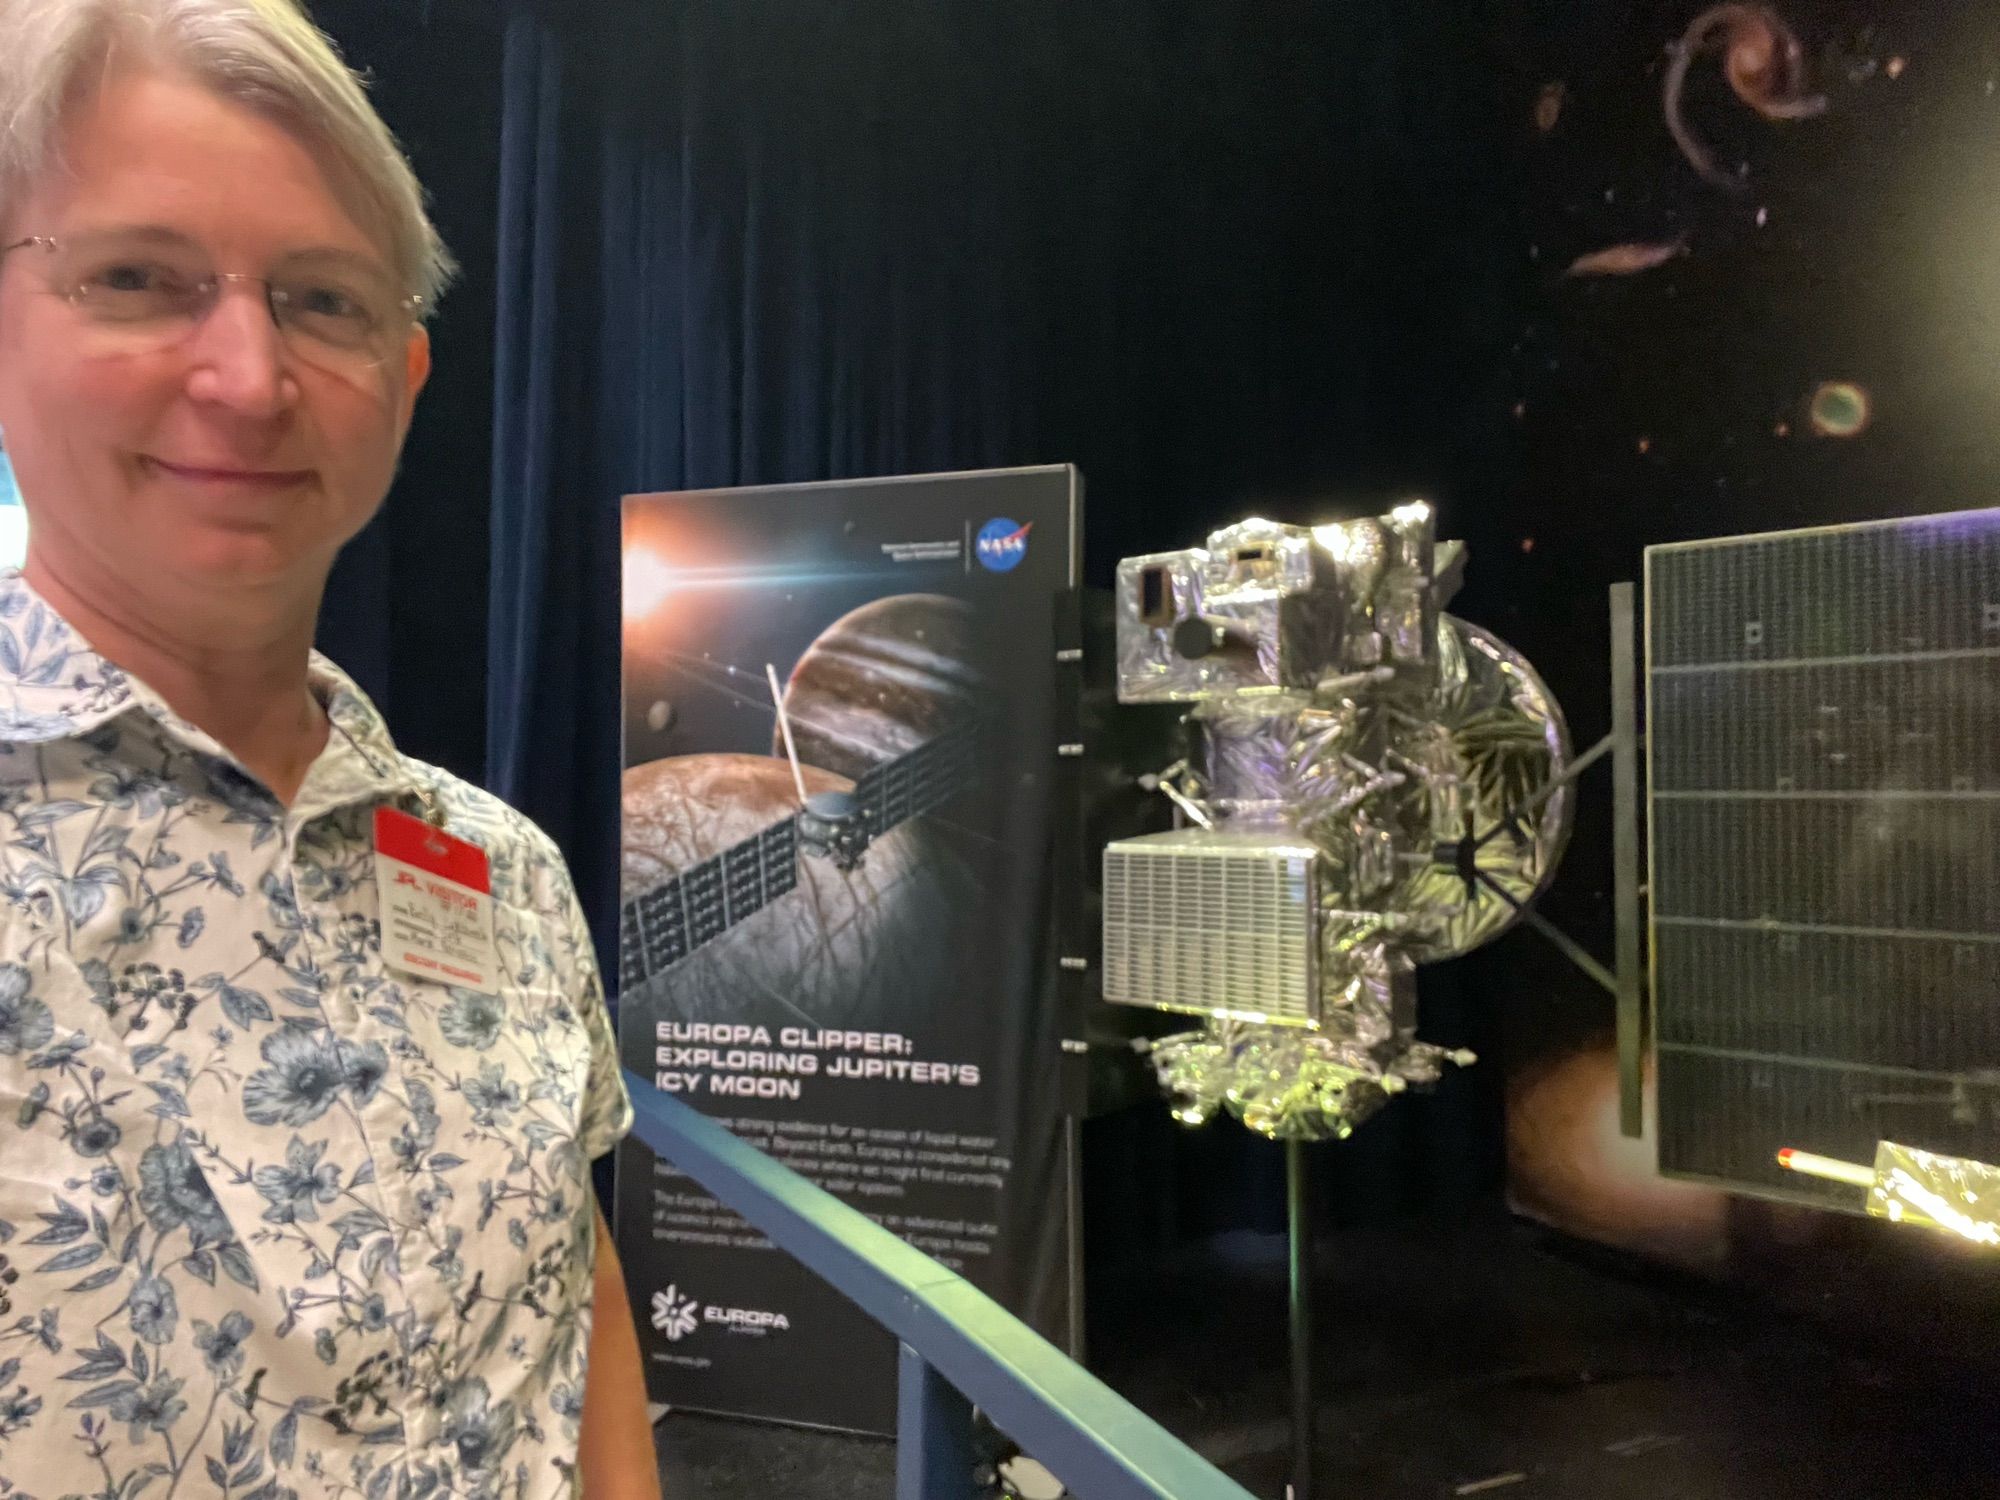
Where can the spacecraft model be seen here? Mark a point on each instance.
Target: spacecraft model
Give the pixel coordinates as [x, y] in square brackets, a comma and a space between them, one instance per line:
[1371, 784]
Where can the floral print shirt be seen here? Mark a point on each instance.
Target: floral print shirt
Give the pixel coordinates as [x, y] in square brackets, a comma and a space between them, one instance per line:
[275, 1221]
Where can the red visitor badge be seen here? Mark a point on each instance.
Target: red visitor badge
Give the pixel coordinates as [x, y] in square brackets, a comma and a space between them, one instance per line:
[436, 903]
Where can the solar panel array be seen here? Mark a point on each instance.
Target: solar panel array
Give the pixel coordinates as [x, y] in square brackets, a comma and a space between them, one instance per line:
[923, 779]
[662, 926]
[1824, 736]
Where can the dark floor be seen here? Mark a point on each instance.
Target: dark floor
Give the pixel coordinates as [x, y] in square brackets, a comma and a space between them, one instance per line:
[1484, 1359]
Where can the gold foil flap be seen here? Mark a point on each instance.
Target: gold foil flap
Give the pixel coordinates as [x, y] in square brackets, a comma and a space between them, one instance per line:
[1951, 1193]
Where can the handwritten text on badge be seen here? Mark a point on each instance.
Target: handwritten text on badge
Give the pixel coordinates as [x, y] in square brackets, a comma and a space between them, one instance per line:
[436, 903]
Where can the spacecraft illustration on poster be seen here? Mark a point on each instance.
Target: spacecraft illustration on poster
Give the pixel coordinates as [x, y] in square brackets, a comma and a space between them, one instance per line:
[838, 801]
[882, 714]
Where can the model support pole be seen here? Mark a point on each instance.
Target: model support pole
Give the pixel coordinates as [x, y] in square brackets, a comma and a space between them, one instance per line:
[1299, 1227]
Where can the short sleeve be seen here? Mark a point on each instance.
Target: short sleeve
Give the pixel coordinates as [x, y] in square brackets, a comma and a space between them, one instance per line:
[607, 1107]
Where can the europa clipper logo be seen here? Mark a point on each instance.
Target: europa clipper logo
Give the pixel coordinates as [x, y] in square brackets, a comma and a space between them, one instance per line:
[677, 1316]
[674, 1315]
[1001, 544]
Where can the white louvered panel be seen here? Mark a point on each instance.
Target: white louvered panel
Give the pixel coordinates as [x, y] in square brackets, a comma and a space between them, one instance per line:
[1211, 924]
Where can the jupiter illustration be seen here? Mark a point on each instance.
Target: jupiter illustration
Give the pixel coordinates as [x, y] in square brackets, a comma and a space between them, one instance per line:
[880, 681]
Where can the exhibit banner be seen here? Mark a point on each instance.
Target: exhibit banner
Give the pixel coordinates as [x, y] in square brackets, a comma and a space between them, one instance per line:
[842, 802]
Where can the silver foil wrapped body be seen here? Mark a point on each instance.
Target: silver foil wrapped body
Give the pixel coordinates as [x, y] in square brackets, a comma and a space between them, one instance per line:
[1361, 761]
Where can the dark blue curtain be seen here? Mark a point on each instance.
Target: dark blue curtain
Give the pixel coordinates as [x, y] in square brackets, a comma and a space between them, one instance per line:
[558, 470]
[1185, 246]
[406, 607]
[764, 242]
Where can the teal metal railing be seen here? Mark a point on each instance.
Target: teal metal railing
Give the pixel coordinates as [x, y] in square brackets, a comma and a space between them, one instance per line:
[960, 1348]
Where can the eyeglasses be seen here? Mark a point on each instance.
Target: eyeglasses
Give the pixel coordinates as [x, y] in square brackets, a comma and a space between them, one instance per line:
[142, 292]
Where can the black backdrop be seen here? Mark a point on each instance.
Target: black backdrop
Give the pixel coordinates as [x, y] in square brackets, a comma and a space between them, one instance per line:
[1287, 257]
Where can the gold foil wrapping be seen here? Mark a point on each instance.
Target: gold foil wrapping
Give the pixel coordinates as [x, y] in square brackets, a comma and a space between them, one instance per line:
[1284, 1082]
[1951, 1193]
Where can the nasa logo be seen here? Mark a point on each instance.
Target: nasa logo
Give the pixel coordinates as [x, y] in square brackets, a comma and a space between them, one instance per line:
[1001, 544]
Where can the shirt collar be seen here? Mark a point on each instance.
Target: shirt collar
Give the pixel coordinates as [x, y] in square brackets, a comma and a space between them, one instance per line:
[54, 686]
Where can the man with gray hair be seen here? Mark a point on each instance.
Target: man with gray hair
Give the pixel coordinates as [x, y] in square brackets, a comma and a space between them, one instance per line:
[303, 1048]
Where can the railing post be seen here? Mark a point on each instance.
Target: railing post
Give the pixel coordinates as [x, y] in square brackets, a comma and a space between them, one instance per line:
[933, 1433]
[974, 1353]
